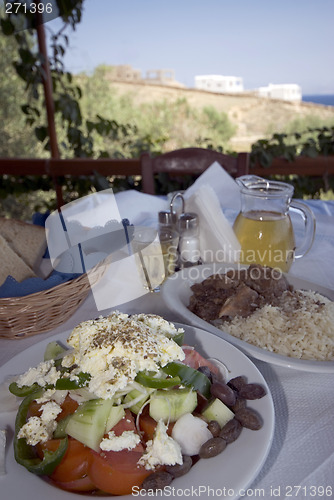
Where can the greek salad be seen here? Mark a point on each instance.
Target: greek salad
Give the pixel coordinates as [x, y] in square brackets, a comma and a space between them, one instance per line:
[126, 405]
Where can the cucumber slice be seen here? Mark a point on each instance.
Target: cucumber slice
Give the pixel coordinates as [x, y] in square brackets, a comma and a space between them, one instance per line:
[116, 414]
[172, 404]
[88, 423]
[217, 410]
[53, 350]
[135, 394]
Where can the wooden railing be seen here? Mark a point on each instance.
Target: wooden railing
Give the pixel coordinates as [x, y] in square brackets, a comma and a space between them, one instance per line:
[304, 166]
[321, 166]
[74, 167]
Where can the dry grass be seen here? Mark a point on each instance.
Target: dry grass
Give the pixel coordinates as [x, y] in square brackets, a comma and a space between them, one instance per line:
[255, 117]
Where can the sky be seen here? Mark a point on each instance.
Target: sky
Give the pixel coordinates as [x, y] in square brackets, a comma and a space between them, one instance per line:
[261, 41]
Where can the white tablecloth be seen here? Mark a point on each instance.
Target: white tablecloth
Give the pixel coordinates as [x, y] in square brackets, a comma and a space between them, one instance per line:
[301, 459]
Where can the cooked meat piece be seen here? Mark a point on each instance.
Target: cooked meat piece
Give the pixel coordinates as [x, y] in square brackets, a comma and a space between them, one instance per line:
[238, 292]
[242, 303]
[220, 282]
[266, 281]
[237, 275]
[206, 303]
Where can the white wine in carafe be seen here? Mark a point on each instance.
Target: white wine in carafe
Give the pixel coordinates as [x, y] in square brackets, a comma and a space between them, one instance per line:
[266, 238]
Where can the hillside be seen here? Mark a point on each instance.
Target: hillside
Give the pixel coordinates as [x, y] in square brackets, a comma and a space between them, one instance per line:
[255, 117]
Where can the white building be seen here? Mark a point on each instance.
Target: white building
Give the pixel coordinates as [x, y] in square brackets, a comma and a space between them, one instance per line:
[284, 91]
[219, 83]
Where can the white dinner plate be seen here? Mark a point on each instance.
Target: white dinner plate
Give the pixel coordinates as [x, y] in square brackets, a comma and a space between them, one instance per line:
[176, 294]
[234, 469]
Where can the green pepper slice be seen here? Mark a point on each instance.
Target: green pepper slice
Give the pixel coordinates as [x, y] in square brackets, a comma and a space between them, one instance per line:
[178, 338]
[189, 377]
[65, 383]
[23, 391]
[24, 453]
[147, 379]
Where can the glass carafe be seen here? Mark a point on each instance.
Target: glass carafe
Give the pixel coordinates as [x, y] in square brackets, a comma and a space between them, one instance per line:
[263, 226]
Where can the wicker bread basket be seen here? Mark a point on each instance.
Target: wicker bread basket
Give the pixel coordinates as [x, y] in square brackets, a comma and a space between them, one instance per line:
[22, 317]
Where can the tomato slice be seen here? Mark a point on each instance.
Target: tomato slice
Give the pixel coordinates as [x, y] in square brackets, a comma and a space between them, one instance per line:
[34, 409]
[75, 462]
[117, 472]
[194, 359]
[127, 423]
[68, 407]
[83, 484]
[147, 425]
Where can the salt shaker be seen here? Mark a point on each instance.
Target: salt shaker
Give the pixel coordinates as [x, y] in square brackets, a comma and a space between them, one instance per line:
[189, 251]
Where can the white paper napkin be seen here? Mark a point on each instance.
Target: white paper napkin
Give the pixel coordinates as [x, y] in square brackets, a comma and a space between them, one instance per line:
[218, 242]
[224, 186]
[140, 208]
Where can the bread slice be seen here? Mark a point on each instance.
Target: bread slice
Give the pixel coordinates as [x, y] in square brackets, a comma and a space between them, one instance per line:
[27, 240]
[11, 264]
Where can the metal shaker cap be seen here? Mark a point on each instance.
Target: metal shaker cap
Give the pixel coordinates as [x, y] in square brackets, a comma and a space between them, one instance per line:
[167, 218]
[188, 220]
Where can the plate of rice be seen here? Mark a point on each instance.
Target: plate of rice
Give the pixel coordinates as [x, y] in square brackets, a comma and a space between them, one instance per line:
[288, 322]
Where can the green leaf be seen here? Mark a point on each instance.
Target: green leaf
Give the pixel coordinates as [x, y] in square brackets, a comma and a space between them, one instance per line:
[26, 109]
[90, 126]
[27, 56]
[41, 133]
[74, 135]
[7, 26]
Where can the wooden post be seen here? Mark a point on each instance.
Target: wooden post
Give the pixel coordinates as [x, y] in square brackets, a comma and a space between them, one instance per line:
[49, 103]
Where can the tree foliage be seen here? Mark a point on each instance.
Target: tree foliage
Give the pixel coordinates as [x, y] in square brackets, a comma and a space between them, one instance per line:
[15, 139]
[310, 142]
[92, 121]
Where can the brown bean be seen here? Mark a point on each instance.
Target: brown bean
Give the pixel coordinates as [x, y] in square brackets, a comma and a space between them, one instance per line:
[249, 419]
[239, 403]
[223, 392]
[252, 391]
[214, 428]
[212, 447]
[237, 382]
[157, 481]
[231, 431]
[178, 470]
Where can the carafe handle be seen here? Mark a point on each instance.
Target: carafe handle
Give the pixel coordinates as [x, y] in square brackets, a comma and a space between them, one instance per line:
[309, 227]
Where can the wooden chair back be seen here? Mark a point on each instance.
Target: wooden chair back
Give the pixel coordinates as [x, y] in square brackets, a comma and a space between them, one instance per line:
[189, 161]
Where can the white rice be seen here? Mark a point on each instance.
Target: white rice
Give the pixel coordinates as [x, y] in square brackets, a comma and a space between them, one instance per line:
[301, 326]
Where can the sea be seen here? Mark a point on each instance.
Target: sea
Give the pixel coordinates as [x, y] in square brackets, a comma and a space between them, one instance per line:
[325, 99]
